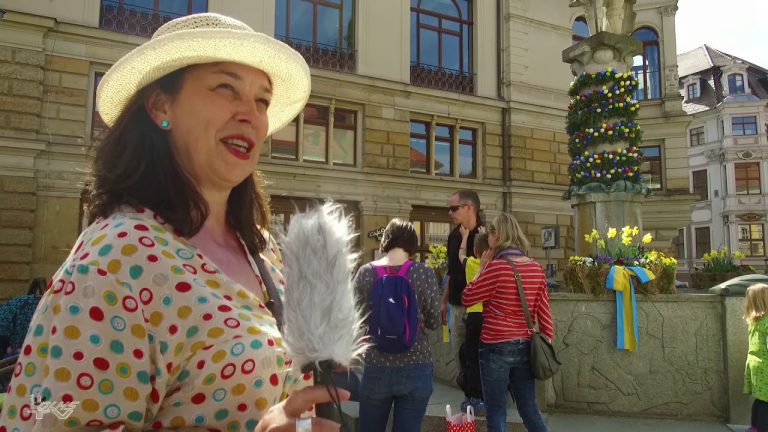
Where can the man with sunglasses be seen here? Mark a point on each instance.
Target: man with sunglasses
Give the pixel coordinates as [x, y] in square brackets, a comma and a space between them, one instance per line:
[464, 209]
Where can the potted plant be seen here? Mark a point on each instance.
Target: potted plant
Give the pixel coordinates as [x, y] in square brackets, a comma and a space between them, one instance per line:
[719, 266]
[587, 274]
[437, 260]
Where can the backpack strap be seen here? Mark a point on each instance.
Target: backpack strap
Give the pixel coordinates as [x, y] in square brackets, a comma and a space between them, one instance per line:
[382, 271]
[521, 293]
[404, 268]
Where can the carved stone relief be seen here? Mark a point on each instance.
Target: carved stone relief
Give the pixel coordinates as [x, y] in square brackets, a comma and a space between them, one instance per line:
[671, 80]
[677, 370]
[668, 11]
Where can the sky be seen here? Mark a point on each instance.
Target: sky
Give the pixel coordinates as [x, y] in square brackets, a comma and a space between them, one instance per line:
[736, 27]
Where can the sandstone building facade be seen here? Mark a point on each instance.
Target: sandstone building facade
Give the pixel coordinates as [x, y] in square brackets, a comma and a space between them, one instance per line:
[411, 101]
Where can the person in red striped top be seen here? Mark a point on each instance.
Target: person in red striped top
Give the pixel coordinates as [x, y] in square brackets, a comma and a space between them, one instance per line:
[505, 338]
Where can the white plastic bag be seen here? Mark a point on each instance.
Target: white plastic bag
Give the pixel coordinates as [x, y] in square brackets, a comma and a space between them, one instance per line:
[461, 422]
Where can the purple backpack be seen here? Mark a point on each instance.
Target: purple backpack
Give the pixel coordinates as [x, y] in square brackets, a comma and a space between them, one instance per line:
[394, 319]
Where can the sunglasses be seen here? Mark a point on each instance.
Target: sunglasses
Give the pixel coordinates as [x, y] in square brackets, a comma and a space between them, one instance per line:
[455, 208]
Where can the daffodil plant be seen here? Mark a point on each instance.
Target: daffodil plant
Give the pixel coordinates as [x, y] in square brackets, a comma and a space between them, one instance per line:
[615, 247]
[722, 261]
[437, 259]
[624, 247]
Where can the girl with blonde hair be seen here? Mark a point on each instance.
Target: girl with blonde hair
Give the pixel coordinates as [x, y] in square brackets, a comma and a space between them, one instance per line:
[756, 370]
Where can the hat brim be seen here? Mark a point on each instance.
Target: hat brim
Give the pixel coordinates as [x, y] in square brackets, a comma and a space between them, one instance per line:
[286, 68]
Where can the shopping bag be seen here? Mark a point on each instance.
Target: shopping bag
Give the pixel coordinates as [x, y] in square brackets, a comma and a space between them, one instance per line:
[461, 422]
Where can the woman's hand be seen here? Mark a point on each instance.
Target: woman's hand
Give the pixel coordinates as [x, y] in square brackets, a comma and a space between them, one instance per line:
[464, 232]
[487, 257]
[282, 417]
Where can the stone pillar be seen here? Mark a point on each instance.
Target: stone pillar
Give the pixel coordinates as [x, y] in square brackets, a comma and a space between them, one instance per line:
[739, 404]
[601, 210]
[21, 77]
[596, 205]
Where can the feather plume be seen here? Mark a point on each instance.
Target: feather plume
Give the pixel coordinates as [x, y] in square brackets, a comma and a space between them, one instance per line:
[322, 322]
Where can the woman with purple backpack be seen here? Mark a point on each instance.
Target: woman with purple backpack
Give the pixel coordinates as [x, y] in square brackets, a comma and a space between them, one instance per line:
[399, 298]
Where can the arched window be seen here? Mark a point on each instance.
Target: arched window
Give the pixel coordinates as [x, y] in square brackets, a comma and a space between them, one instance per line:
[735, 83]
[441, 42]
[322, 31]
[580, 30]
[647, 66]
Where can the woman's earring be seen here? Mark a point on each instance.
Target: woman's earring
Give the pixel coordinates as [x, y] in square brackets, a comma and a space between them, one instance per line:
[165, 124]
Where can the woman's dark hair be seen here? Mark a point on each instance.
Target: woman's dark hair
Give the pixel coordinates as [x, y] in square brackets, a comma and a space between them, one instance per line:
[135, 165]
[37, 286]
[399, 234]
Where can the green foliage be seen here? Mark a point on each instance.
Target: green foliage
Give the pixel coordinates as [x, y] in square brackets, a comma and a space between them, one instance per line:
[722, 261]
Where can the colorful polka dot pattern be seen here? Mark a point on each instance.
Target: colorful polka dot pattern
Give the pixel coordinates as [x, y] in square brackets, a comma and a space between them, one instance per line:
[146, 333]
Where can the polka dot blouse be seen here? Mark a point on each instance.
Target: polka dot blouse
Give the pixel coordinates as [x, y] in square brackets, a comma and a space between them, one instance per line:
[140, 331]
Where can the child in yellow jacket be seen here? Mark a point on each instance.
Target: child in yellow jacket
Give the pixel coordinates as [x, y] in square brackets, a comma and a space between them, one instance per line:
[469, 378]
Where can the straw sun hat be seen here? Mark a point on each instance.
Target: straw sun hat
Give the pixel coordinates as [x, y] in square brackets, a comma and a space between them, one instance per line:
[208, 38]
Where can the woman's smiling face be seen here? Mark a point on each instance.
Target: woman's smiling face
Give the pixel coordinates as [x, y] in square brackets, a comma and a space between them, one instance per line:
[217, 122]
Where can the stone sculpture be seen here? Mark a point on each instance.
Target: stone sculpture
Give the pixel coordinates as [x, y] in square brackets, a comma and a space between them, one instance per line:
[613, 16]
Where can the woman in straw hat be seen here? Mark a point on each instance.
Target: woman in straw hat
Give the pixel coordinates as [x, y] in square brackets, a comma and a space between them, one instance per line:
[158, 318]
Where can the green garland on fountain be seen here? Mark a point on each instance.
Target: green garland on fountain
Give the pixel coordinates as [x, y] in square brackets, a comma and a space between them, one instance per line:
[603, 111]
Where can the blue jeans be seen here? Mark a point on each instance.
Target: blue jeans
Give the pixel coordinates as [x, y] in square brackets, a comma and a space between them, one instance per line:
[407, 387]
[503, 366]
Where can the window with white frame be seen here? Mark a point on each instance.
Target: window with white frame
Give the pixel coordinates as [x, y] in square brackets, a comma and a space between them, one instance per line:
[699, 184]
[747, 178]
[435, 148]
[650, 170]
[321, 134]
[702, 241]
[697, 136]
[679, 243]
[647, 65]
[735, 83]
[693, 91]
[744, 125]
[752, 240]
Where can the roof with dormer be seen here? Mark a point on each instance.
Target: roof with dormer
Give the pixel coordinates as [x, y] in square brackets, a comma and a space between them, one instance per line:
[709, 64]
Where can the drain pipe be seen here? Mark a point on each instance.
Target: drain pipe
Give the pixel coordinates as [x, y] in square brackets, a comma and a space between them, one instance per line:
[505, 150]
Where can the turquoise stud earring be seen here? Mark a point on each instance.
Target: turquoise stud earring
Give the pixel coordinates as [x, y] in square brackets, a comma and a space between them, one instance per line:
[165, 124]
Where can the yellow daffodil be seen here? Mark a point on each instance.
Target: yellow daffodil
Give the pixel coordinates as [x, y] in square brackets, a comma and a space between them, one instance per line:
[588, 238]
[635, 231]
[647, 238]
[738, 255]
[626, 231]
[611, 232]
[626, 241]
[601, 243]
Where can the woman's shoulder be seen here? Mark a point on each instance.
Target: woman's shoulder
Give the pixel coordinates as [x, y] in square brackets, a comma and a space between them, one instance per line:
[520, 261]
[127, 236]
[421, 268]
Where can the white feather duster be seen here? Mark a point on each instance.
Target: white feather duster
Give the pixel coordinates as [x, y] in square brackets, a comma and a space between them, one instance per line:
[321, 320]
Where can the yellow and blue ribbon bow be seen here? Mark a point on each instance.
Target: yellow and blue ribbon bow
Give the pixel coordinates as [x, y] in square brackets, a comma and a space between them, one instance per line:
[620, 279]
